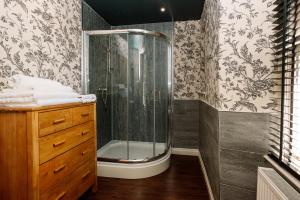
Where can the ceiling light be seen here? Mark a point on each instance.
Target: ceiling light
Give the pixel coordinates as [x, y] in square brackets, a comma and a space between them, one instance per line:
[162, 9]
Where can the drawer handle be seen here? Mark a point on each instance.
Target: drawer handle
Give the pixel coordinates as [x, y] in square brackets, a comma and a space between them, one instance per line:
[84, 133]
[61, 195]
[86, 175]
[85, 114]
[59, 143]
[59, 169]
[84, 152]
[58, 121]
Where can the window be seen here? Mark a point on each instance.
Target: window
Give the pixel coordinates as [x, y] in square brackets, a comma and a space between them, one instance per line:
[285, 121]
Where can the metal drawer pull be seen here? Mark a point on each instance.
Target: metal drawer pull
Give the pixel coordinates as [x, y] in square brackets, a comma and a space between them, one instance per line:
[58, 121]
[85, 114]
[84, 132]
[59, 169]
[61, 195]
[86, 175]
[84, 152]
[59, 143]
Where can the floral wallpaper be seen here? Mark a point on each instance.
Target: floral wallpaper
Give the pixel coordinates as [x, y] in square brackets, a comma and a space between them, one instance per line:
[189, 75]
[245, 71]
[210, 43]
[41, 38]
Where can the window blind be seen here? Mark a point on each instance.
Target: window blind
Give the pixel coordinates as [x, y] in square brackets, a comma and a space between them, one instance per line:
[285, 121]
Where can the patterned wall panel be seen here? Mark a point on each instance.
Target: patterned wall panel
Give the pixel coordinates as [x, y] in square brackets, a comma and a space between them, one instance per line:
[245, 72]
[210, 30]
[41, 38]
[189, 74]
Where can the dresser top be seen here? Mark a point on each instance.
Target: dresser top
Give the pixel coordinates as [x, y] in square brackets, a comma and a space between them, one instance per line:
[38, 108]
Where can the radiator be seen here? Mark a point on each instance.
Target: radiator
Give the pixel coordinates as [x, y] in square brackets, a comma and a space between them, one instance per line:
[269, 184]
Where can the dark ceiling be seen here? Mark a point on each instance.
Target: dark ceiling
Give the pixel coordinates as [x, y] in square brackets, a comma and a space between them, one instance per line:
[124, 12]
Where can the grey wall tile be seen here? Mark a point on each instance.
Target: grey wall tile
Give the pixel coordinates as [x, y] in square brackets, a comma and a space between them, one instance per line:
[209, 120]
[239, 168]
[185, 124]
[244, 131]
[228, 192]
[210, 154]
[92, 20]
[98, 66]
[209, 145]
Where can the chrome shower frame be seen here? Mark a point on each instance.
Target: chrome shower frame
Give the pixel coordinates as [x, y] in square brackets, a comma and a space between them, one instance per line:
[85, 79]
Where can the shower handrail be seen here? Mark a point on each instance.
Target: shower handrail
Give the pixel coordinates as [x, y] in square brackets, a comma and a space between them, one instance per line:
[120, 31]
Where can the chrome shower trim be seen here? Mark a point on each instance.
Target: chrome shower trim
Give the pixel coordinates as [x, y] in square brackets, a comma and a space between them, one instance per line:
[128, 31]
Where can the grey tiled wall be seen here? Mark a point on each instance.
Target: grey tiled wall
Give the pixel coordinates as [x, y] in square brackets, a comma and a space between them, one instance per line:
[91, 20]
[185, 124]
[98, 66]
[243, 142]
[209, 144]
[232, 146]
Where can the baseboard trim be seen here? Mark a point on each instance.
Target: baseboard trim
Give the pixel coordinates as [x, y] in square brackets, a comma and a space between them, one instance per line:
[185, 152]
[211, 196]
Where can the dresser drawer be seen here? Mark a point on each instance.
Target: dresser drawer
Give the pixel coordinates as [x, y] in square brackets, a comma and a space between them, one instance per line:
[55, 144]
[82, 114]
[59, 192]
[53, 121]
[73, 186]
[83, 178]
[54, 171]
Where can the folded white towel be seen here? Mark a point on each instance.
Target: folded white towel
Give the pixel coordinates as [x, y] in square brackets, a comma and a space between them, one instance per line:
[11, 93]
[44, 102]
[21, 82]
[89, 98]
[16, 100]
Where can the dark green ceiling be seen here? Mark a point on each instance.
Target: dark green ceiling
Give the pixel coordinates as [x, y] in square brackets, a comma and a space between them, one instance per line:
[123, 12]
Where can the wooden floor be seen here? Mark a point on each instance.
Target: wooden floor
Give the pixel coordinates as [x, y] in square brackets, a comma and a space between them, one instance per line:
[182, 181]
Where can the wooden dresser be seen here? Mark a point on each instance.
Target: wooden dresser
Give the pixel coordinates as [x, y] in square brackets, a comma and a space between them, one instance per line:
[47, 152]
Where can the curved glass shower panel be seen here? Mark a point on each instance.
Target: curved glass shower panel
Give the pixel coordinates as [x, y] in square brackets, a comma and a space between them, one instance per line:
[99, 84]
[119, 102]
[141, 99]
[161, 95]
[129, 71]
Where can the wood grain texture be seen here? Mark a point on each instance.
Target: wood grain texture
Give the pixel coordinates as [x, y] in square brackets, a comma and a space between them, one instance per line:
[13, 156]
[82, 114]
[95, 186]
[182, 181]
[33, 155]
[60, 142]
[43, 108]
[62, 166]
[53, 121]
[21, 150]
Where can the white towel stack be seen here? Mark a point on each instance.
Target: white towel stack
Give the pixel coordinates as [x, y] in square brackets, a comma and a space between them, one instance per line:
[29, 92]
[88, 98]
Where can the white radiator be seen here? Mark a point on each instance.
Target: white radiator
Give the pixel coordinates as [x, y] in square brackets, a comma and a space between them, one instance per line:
[271, 186]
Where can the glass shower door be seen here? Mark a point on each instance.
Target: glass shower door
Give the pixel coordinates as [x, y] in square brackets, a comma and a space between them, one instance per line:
[161, 95]
[141, 74]
[119, 101]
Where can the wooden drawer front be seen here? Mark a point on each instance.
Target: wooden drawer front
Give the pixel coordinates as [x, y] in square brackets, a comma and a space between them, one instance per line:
[83, 178]
[83, 114]
[61, 191]
[54, 171]
[53, 121]
[55, 144]
[74, 185]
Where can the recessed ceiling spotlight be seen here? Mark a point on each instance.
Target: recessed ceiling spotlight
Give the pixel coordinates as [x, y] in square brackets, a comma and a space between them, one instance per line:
[162, 9]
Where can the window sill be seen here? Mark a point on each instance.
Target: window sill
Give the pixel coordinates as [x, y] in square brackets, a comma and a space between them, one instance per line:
[284, 173]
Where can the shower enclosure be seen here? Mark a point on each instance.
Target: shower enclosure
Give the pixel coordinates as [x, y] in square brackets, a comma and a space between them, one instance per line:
[130, 72]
